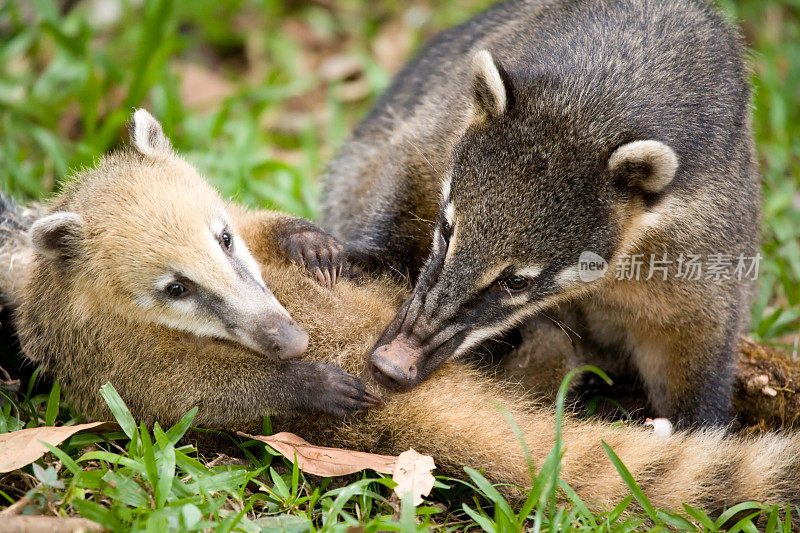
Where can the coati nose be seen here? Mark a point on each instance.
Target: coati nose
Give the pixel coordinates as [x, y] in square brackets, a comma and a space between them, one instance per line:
[290, 341]
[394, 365]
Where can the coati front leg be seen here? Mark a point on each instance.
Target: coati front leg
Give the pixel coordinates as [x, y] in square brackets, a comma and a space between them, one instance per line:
[386, 220]
[233, 388]
[688, 379]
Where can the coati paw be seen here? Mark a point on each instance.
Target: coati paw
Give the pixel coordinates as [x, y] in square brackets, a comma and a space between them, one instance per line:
[329, 389]
[318, 252]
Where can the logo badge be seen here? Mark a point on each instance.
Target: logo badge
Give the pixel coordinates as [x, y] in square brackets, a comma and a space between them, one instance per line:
[591, 266]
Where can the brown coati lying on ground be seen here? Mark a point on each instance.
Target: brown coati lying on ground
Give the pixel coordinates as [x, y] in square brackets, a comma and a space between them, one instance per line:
[538, 132]
[99, 304]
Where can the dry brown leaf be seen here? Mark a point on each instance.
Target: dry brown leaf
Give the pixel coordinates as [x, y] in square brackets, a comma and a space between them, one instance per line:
[322, 461]
[392, 46]
[20, 448]
[201, 88]
[412, 473]
[339, 67]
[48, 524]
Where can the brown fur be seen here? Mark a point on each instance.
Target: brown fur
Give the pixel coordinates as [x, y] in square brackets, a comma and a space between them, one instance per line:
[453, 416]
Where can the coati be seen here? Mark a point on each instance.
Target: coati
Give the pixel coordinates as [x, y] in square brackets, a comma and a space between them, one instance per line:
[170, 286]
[540, 131]
[97, 304]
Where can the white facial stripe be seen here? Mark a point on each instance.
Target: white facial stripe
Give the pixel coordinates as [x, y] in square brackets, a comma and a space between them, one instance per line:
[568, 276]
[446, 189]
[531, 272]
[146, 302]
[437, 239]
[479, 335]
[200, 326]
[450, 213]
[242, 253]
[216, 228]
[451, 247]
[163, 280]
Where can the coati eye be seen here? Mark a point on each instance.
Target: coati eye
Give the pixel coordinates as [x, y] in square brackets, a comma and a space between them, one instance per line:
[175, 290]
[226, 240]
[515, 283]
[447, 232]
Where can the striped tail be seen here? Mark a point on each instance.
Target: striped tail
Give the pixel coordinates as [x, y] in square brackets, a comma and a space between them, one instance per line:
[454, 417]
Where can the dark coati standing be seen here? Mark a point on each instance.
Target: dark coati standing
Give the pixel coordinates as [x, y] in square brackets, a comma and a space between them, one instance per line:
[98, 288]
[540, 130]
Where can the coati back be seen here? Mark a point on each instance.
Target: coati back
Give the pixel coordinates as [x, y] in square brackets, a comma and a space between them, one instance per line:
[542, 133]
[162, 370]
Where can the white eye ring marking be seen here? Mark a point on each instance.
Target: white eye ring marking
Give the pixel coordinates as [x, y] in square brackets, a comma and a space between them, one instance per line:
[449, 213]
[530, 272]
[446, 187]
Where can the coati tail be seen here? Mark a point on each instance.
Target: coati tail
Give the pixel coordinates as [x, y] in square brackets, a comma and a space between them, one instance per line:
[454, 417]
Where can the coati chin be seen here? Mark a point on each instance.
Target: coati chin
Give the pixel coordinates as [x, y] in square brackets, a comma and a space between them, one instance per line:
[98, 304]
[540, 131]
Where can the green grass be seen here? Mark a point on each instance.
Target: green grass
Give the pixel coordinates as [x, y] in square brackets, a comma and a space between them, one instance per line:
[143, 478]
[68, 83]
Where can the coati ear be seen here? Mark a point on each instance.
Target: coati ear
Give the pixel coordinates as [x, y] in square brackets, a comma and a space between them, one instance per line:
[147, 135]
[58, 236]
[489, 89]
[649, 165]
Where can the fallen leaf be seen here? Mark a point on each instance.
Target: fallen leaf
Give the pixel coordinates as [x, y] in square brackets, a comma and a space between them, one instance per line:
[756, 383]
[20, 448]
[49, 524]
[323, 461]
[412, 473]
[201, 88]
[340, 67]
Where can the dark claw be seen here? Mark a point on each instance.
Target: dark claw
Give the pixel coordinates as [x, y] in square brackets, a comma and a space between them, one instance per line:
[372, 400]
[320, 276]
[317, 252]
[329, 389]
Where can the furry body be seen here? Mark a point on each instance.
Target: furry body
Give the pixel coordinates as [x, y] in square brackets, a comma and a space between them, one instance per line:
[540, 130]
[161, 373]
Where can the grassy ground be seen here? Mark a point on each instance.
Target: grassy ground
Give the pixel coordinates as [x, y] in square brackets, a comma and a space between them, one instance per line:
[259, 95]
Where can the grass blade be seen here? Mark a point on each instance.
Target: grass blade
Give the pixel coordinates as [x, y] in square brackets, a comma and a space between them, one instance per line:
[626, 476]
[118, 408]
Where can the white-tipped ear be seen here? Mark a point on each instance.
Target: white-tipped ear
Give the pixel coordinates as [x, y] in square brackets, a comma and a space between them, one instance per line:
[489, 89]
[147, 135]
[649, 165]
[58, 236]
